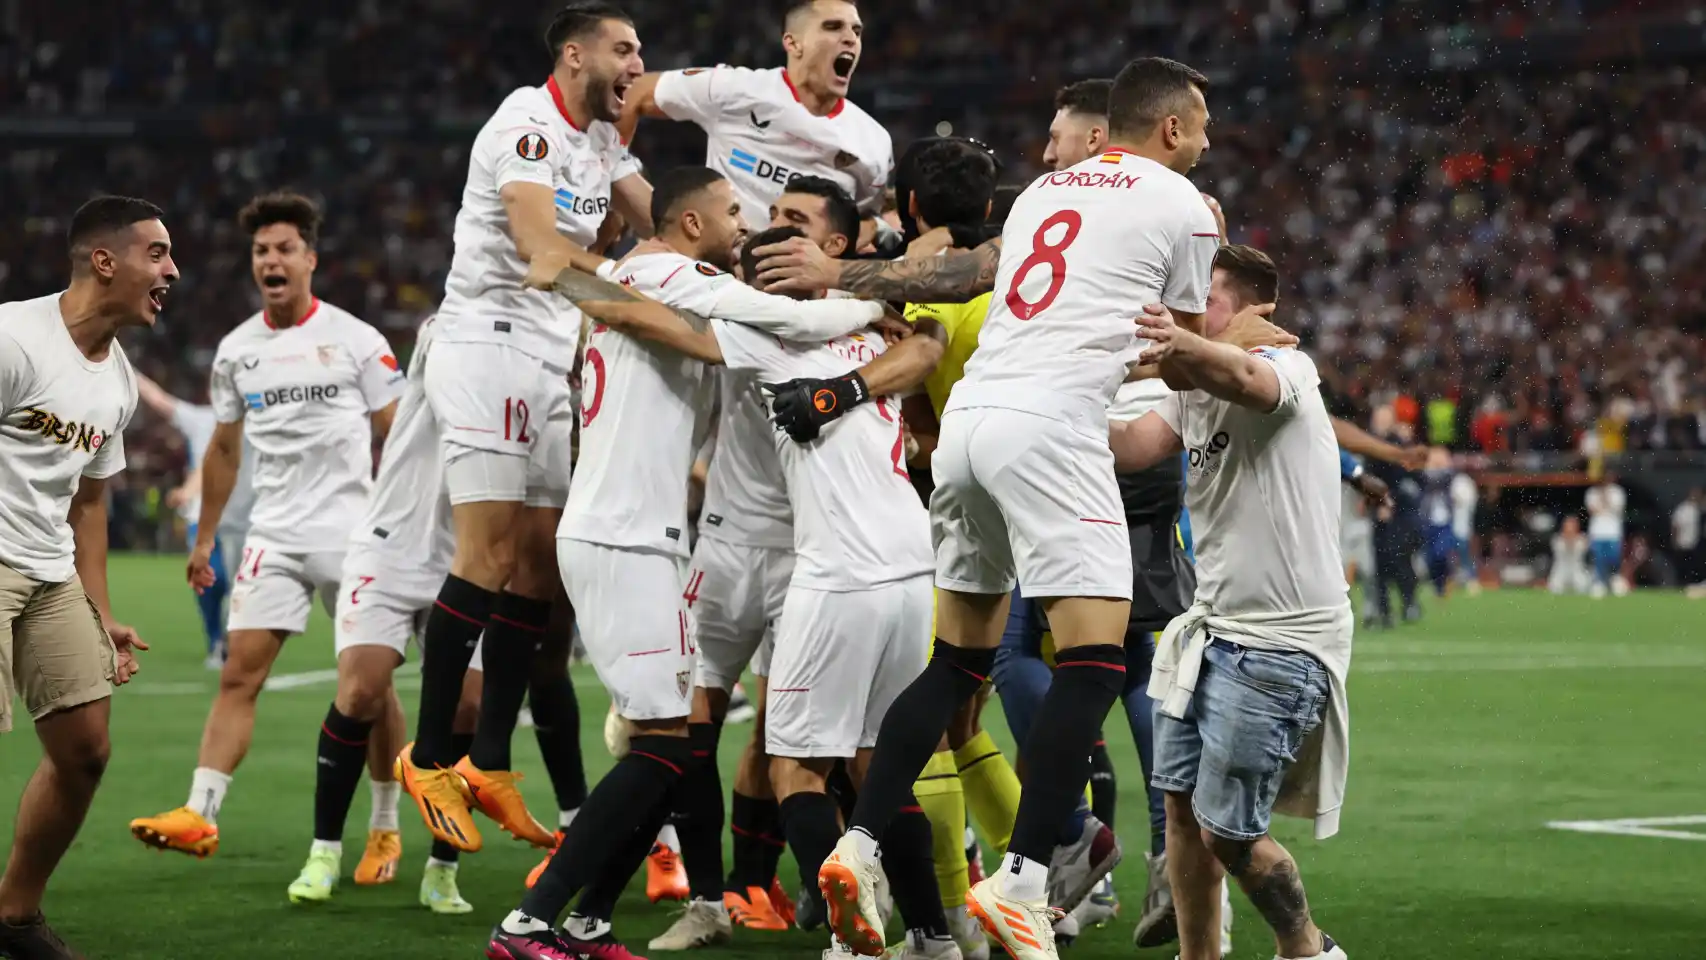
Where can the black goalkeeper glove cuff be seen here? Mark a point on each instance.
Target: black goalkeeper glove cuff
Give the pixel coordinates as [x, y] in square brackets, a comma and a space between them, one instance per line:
[802, 407]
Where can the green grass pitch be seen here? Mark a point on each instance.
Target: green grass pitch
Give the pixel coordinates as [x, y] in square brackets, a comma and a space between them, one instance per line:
[1471, 732]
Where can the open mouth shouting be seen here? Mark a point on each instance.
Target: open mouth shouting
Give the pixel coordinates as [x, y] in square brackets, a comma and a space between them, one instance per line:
[620, 89]
[157, 297]
[844, 64]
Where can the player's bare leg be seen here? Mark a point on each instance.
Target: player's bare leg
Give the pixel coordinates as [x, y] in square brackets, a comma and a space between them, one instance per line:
[1195, 876]
[75, 748]
[193, 828]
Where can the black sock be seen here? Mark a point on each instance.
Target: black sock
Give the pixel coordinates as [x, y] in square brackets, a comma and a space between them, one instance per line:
[839, 784]
[1104, 785]
[513, 636]
[809, 823]
[913, 728]
[599, 899]
[754, 824]
[459, 743]
[453, 627]
[557, 727]
[337, 771]
[627, 797]
[697, 808]
[1056, 755]
[912, 871]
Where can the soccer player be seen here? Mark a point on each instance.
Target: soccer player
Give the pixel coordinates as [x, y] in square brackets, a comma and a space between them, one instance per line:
[620, 546]
[1252, 677]
[544, 172]
[310, 386]
[397, 558]
[766, 127]
[66, 393]
[1042, 501]
[195, 423]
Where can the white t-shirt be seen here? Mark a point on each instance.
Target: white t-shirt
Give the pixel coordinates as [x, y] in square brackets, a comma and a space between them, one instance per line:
[639, 408]
[760, 136]
[1263, 491]
[305, 394]
[529, 140]
[1134, 399]
[1463, 497]
[1605, 505]
[1685, 526]
[746, 494]
[858, 521]
[62, 418]
[1083, 250]
[408, 514]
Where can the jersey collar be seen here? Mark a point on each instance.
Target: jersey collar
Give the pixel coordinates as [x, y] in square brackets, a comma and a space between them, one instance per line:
[557, 98]
[840, 102]
[313, 308]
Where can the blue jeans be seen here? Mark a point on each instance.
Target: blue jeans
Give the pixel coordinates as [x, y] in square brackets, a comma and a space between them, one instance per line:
[211, 602]
[1249, 716]
[1607, 558]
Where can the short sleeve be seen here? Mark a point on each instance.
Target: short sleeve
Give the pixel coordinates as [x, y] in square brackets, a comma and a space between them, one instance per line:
[807, 321]
[1298, 378]
[746, 349]
[222, 391]
[692, 95]
[378, 373]
[1192, 262]
[522, 153]
[1171, 409]
[14, 375]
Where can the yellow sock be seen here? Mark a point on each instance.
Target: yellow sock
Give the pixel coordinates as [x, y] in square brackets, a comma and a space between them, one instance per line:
[938, 792]
[991, 789]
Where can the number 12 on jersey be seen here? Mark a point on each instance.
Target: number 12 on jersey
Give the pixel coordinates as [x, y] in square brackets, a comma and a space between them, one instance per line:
[1045, 255]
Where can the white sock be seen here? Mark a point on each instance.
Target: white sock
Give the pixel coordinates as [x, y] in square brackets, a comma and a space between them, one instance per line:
[1023, 879]
[518, 922]
[667, 837]
[334, 847]
[447, 864]
[207, 792]
[385, 794]
[864, 844]
[566, 817]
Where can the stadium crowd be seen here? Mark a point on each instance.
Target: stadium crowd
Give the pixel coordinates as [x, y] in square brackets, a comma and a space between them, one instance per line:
[1514, 266]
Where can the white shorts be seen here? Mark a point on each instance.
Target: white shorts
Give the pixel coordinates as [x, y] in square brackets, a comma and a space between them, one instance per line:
[735, 594]
[841, 660]
[275, 589]
[633, 624]
[1027, 495]
[378, 605]
[506, 419]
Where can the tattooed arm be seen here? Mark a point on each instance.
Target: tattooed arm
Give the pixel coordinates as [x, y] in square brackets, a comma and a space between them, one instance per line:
[797, 265]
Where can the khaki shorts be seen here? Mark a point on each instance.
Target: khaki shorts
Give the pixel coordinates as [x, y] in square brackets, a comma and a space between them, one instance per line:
[53, 651]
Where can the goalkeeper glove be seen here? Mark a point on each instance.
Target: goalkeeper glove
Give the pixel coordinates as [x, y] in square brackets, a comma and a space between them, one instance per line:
[802, 407]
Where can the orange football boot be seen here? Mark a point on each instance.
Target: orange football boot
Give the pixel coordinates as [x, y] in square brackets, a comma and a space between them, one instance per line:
[183, 830]
[781, 902]
[753, 910]
[442, 796]
[379, 861]
[533, 875]
[496, 794]
[666, 877]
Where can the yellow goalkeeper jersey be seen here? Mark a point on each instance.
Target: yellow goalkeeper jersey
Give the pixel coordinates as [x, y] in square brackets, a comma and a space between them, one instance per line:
[962, 322]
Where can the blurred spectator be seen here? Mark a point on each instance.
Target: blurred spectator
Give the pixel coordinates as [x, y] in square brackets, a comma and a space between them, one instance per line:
[1685, 530]
[1606, 505]
[1570, 572]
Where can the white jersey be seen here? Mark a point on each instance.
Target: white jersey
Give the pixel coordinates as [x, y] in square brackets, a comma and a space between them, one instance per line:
[639, 408]
[529, 140]
[1134, 399]
[62, 418]
[1605, 504]
[1083, 250]
[858, 521]
[195, 422]
[1263, 491]
[1463, 497]
[759, 136]
[305, 394]
[408, 515]
[746, 495]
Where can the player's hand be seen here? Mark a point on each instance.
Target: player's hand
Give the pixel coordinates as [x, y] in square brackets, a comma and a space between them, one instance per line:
[893, 326]
[1374, 490]
[1250, 328]
[1219, 215]
[931, 243]
[542, 270]
[126, 642]
[802, 407]
[1414, 457]
[177, 497]
[1156, 324]
[200, 572]
[796, 265]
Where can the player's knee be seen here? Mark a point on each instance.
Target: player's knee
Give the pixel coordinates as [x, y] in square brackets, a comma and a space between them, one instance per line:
[1234, 855]
[83, 761]
[241, 679]
[362, 697]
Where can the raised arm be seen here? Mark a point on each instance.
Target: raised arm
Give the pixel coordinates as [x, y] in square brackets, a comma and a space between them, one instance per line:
[531, 209]
[1221, 369]
[799, 266]
[641, 100]
[1362, 443]
[806, 321]
[158, 400]
[647, 319]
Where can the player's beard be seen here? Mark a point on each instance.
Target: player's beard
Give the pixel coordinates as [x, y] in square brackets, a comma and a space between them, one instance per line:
[601, 99]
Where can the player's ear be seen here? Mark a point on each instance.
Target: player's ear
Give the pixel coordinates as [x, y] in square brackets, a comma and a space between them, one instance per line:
[835, 246]
[690, 225]
[102, 261]
[912, 206]
[1098, 139]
